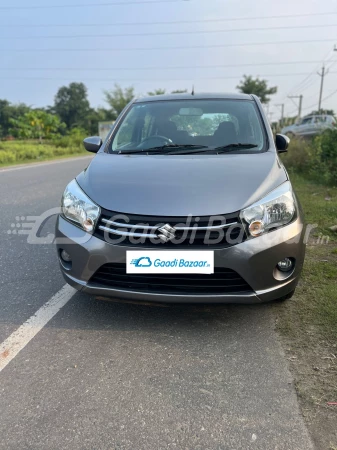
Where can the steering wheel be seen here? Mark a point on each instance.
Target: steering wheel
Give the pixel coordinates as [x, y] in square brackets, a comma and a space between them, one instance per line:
[155, 141]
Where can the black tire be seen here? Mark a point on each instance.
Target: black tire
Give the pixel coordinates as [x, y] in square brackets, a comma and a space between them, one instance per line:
[285, 297]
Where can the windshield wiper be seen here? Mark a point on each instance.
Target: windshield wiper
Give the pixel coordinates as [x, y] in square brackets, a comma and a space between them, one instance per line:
[186, 149]
[162, 148]
[216, 150]
[233, 147]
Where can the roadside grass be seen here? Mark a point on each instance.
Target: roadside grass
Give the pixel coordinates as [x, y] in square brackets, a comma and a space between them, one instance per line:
[308, 322]
[320, 269]
[318, 202]
[42, 159]
[21, 152]
[315, 302]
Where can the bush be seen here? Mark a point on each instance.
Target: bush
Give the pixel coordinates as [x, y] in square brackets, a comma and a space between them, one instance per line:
[298, 157]
[6, 157]
[73, 139]
[316, 159]
[19, 151]
[326, 147]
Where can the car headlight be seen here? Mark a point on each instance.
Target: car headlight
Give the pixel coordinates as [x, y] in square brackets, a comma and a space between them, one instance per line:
[78, 208]
[275, 210]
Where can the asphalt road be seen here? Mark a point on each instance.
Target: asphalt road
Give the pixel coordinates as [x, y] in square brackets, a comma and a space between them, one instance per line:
[120, 376]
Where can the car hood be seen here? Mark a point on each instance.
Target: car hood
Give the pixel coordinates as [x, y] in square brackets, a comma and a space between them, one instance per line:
[179, 185]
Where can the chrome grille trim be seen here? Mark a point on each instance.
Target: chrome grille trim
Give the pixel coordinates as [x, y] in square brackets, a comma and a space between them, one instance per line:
[127, 233]
[146, 227]
[211, 227]
[126, 225]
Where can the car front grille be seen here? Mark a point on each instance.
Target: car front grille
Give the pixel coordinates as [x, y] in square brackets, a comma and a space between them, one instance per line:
[170, 232]
[222, 281]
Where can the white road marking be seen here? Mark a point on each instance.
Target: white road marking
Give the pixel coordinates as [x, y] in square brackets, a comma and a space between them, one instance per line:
[42, 164]
[24, 334]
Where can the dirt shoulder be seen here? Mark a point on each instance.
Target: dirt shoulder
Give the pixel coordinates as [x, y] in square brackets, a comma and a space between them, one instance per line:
[308, 323]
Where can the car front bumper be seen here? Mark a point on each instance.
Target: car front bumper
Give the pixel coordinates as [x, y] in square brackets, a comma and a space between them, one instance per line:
[254, 259]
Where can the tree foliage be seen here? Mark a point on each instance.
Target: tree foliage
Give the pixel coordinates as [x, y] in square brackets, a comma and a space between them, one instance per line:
[36, 124]
[117, 99]
[72, 105]
[7, 112]
[163, 91]
[328, 112]
[157, 92]
[250, 85]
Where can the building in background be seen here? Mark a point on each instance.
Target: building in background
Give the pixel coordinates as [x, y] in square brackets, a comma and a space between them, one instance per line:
[104, 128]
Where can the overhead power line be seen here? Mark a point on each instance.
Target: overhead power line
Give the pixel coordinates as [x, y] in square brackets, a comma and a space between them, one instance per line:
[172, 22]
[333, 62]
[308, 80]
[330, 95]
[305, 85]
[166, 33]
[177, 47]
[300, 97]
[82, 5]
[323, 99]
[236, 77]
[110, 69]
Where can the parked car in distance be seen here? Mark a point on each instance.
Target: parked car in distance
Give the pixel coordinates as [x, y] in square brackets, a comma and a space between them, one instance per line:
[187, 200]
[310, 126]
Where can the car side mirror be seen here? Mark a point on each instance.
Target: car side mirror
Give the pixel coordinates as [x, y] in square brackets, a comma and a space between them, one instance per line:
[282, 143]
[93, 143]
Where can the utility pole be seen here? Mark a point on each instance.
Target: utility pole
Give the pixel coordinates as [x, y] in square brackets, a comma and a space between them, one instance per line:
[300, 97]
[322, 75]
[300, 106]
[282, 112]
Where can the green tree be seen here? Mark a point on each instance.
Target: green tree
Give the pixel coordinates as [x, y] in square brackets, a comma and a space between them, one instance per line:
[179, 91]
[250, 85]
[36, 124]
[117, 99]
[157, 92]
[7, 112]
[72, 105]
[94, 116]
[328, 112]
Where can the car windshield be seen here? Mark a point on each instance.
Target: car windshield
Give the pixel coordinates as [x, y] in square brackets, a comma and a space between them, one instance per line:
[178, 126]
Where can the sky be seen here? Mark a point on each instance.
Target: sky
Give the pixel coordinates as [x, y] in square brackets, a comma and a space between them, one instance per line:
[45, 44]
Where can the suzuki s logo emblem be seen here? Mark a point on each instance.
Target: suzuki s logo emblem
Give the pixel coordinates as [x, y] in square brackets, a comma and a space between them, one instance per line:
[166, 233]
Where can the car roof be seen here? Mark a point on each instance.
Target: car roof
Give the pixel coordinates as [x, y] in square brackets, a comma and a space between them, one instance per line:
[201, 96]
[317, 115]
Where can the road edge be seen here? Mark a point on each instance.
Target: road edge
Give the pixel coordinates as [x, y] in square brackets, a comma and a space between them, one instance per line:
[46, 162]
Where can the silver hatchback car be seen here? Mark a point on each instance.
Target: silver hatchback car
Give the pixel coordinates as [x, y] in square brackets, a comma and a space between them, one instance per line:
[185, 201]
[310, 126]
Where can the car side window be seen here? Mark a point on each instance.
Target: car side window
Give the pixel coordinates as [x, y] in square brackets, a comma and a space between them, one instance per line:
[306, 121]
[148, 126]
[136, 128]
